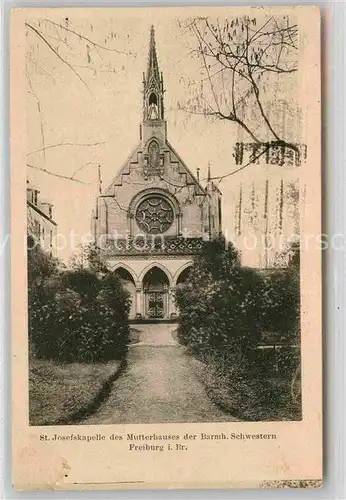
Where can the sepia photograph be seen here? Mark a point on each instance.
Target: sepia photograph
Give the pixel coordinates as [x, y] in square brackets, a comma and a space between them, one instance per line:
[166, 305]
[164, 200]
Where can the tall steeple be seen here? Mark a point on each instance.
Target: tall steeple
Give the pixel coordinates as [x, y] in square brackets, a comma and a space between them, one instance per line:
[153, 109]
[153, 129]
[153, 67]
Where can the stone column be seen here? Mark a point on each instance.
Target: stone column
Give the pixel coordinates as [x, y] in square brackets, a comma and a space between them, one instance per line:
[179, 219]
[172, 310]
[139, 302]
[130, 224]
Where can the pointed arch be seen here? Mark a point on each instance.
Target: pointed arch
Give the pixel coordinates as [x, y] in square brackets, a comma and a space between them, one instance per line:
[152, 265]
[153, 141]
[154, 154]
[121, 265]
[153, 98]
[181, 270]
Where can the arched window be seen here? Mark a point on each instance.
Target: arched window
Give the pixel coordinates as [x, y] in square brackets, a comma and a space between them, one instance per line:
[124, 275]
[153, 98]
[153, 111]
[154, 154]
[155, 280]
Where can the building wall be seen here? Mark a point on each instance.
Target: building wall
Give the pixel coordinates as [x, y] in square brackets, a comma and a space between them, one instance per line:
[40, 220]
[192, 206]
[138, 269]
[197, 216]
[43, 229]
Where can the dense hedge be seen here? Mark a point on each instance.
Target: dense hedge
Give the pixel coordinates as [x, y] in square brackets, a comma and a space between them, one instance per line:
[75, 315]
[220, 302]
[226, 312]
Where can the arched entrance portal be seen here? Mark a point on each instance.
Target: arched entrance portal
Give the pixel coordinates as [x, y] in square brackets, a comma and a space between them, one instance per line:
[156, 287]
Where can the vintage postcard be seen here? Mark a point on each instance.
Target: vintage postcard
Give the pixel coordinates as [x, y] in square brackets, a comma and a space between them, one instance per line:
[166, 247]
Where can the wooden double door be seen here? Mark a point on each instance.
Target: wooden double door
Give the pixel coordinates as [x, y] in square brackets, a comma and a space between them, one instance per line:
[156, 289]
[156, 304]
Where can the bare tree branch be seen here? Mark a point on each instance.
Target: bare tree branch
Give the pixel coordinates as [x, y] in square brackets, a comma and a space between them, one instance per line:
[81, 168]
[255, 86]
[114, 198]
[65, 144]
[236, 58]
[82, 37]
[40, 35]
[251, 162]
[31, 91]
[55, 36]
[54, 174]
[41, 68]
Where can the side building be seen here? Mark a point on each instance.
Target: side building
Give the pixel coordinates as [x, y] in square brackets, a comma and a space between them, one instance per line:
[41, 225]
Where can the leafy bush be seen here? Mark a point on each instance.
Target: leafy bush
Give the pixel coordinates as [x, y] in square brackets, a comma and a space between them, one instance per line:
[220, 304]
[224, 310]
[281, 296]
[75, 315]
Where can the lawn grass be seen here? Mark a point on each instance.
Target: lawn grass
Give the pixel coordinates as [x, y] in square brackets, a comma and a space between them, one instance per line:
[57, 391]
[243, 400]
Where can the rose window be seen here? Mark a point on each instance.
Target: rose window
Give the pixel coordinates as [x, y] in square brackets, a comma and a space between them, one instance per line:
[154, 215]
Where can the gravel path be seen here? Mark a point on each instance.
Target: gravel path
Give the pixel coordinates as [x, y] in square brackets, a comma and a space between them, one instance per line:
[158, 385]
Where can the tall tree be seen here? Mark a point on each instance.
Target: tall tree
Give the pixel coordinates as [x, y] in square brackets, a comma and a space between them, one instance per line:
[240, 60]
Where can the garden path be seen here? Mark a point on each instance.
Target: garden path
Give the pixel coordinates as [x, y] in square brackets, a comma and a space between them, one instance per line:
[158, 385]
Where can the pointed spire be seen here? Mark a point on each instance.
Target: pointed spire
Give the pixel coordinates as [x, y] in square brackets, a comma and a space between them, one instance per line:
[209, 176]
[153, 91]
[153, 67]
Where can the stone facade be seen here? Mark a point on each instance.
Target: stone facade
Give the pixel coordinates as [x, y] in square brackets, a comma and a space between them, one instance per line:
[151, 220]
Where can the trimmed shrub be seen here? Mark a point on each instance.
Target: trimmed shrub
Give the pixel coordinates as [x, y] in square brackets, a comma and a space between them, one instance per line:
[75, 315]
[220, 303]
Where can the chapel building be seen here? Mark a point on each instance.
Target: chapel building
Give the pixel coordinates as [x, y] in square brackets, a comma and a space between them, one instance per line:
[151, 220]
